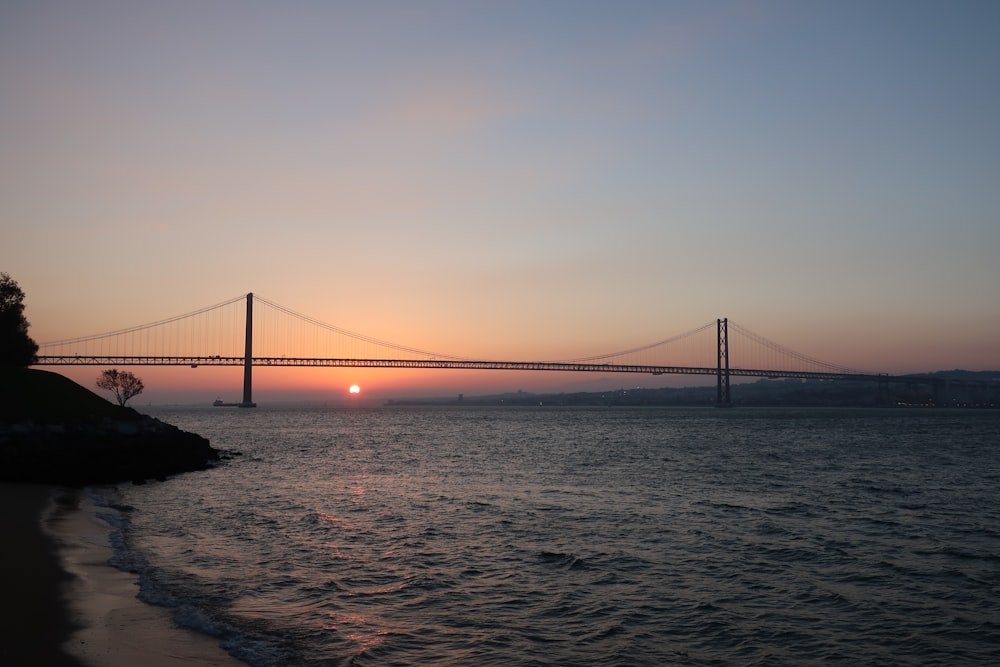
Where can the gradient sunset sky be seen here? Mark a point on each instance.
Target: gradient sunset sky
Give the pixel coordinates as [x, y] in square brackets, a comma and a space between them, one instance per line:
[510, 180]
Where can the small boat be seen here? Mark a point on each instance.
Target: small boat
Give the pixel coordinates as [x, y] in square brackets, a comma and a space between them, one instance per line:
[219, 403]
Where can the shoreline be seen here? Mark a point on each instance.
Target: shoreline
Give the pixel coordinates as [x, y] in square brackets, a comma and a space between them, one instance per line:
[67, 607]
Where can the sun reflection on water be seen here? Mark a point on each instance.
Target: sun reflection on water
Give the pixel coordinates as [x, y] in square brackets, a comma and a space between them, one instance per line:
[357, 628]
[336, 521]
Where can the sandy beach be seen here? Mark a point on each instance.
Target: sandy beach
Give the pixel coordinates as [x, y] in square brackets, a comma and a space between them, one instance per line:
[65, 607]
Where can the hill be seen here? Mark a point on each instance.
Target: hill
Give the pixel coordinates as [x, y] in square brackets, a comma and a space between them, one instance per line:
[35, 394]
[54, 431]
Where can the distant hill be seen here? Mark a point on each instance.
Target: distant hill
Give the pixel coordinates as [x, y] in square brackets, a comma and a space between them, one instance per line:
[764, 392]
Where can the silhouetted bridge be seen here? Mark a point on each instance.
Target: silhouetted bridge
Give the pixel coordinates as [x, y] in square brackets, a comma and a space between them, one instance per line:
[213, 329]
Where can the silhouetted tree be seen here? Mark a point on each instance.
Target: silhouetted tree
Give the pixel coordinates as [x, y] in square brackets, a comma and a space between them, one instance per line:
[16, 347]
[125, 385]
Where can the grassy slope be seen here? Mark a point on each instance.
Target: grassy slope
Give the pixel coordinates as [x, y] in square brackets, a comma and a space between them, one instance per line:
[28, 393]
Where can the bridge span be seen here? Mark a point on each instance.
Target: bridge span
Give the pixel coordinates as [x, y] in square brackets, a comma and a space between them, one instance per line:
[795, 365]
[195, 361]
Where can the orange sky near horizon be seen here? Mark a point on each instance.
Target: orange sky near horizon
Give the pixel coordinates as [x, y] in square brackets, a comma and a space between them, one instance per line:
[186, 386]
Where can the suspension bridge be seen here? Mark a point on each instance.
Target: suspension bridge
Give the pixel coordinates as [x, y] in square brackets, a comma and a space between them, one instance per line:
[247, 331]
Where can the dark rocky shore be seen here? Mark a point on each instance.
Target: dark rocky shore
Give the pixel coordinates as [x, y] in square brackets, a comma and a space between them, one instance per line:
[54, 431]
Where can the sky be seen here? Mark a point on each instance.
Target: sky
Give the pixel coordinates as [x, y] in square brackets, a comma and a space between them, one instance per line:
[509, 180]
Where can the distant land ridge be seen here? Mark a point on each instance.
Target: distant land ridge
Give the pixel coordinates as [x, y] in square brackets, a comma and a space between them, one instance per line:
[764, 392]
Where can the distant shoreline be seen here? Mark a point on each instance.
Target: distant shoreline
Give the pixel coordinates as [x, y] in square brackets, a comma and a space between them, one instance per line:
[750, 393]
[759, 393]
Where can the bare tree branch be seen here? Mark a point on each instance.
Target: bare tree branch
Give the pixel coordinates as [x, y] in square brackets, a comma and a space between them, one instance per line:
[124, 384]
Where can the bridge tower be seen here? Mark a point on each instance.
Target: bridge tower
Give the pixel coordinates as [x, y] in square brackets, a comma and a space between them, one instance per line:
[722, 397]
[248, 358]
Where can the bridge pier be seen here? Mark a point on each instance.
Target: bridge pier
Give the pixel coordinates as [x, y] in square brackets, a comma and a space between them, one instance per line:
[248, 358]
[723, 398]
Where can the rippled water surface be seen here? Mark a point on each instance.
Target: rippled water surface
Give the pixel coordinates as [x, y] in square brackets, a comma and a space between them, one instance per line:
[514, 536]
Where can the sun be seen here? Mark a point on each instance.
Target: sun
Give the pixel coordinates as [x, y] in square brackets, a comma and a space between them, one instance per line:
[354, 389]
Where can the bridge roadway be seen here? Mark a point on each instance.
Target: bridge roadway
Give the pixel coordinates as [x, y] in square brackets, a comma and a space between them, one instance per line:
[195, 361]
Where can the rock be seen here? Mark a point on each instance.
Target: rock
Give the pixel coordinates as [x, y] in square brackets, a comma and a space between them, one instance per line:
[99, 451]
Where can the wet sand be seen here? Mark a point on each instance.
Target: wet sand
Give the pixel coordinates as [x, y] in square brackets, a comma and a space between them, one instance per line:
[65, 607]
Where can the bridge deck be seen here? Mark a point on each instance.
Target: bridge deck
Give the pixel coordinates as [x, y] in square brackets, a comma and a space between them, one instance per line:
[195, 361]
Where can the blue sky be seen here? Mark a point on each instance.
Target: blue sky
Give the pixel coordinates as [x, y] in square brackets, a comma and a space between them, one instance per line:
[514, 179]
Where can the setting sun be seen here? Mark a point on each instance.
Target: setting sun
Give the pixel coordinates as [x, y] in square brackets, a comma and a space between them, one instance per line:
[355, 389]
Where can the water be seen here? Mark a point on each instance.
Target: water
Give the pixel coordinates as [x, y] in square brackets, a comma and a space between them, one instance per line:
[579, 536]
